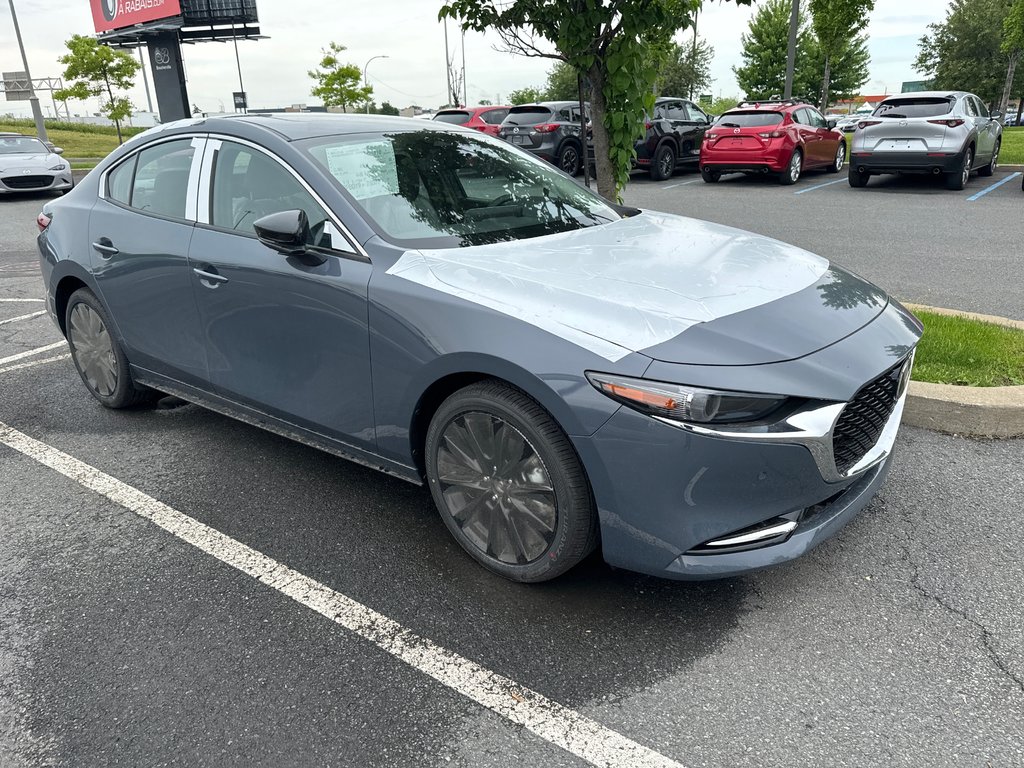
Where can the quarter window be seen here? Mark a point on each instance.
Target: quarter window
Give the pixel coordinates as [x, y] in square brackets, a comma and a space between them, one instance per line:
[161, 178]
[119, 181]
[972, 110]
[494, 116]
[248, 185]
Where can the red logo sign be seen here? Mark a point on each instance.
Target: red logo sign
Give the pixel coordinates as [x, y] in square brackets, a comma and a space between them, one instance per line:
[115, 14]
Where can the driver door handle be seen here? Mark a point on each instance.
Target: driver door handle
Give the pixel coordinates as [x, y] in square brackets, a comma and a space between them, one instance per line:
[105, 248]
[209, 276]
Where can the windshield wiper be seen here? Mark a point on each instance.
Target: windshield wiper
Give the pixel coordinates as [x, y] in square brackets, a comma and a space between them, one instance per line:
[730, 125]
[893, 114]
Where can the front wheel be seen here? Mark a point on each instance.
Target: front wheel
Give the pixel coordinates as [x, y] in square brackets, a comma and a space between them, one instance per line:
[840, 159]
[664, 164]
[508, 483]
[990, 169]
[792, 173]
[569, 159]
[958, 179]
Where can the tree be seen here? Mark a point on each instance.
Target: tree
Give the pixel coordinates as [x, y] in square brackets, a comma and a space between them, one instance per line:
[527, 95]
[765, 45]
[722, 104]
[562, 83]
[847, 71]
[387, 108]
[609, 42]
[1013, 47]
[338, 84]
[962, 52]
[686, 69]
[98, 70]
[837, 25]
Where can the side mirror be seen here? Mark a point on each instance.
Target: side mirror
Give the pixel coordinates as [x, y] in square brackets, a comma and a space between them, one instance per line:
[284, 231]
[58, 151]
[996, 114]
[832, 124]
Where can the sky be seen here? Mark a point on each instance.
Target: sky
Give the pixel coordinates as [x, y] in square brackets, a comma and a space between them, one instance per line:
[409, 34]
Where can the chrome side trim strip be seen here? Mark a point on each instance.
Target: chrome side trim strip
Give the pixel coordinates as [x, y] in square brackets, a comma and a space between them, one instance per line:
[748, 538]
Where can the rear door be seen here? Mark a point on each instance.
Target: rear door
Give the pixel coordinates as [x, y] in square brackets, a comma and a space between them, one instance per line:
[809, 136]
[140, 231]
[696, 125]
[988, 130]
[824, 147]
[284, 335]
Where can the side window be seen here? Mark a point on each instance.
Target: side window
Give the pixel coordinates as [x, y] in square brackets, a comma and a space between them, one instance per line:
[161, 178]
[980, 106]
[494, 116]
[972, 110]
[676, 112]
[816, 119]
[696, 113]
[119, 181]
[660, 111]
[564, 116]
[800, 116]
[248, 185]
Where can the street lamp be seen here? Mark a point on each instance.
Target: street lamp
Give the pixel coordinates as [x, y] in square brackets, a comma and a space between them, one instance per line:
[365, 81]
[37, 113]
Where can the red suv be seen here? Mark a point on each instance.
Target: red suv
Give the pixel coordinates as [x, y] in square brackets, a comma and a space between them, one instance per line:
[484, 119]
[784, 137]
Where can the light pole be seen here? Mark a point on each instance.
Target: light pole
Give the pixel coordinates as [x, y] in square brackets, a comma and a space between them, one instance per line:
[37, 113]
[367, 82]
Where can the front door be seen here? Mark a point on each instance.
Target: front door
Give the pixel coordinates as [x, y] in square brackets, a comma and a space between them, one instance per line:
[284, 335]
[140, 230]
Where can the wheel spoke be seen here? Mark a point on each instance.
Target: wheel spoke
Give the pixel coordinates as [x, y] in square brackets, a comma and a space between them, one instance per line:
[452, 470]
[510, 451]
[538, 511]
[480, 428]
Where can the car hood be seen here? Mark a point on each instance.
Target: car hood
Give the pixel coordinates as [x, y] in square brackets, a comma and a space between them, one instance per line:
[669, 287]
[18, 161]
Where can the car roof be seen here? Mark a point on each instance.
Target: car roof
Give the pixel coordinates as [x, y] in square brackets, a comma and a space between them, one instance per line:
[927, 95]
[293, 126]
[663, 99]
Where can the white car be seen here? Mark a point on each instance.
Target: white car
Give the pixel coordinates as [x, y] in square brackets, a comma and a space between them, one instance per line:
[28, 165]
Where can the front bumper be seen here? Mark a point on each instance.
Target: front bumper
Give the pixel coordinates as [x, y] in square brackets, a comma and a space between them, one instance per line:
[907, 162]
[41, 181]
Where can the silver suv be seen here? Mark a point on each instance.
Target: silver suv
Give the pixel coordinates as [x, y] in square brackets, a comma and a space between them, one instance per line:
[938, 132]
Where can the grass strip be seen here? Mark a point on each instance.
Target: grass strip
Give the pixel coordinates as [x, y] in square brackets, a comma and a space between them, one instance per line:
[966, 352]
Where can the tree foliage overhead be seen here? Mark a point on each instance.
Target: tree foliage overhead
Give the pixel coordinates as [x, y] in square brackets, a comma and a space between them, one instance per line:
[610, 42]
[527, 95]
[686, 69]
[837, 26]
[99, 71]
[562, 83]
[338, 84]
[1013, 48]
[964, 52]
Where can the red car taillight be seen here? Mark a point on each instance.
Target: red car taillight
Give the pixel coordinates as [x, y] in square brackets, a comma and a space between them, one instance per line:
[948, 123]
[772, 135]
[42, 221]
[868, 123]
[546, 128]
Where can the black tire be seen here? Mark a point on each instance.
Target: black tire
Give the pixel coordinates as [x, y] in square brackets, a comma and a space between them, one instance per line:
[100, 352]
[568, 531]
[858, 178]
[958, 179]
[839, 161]
[790, 175]
[990, 169]
[664, 163]
[569, 159]
[711, 177]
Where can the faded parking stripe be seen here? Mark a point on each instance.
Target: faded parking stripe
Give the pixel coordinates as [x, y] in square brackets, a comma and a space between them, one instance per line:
[556, 724]
[23, 317]
[31, 353]
[34, 363]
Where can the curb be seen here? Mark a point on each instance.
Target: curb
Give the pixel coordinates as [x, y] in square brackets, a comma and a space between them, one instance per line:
[970, 411]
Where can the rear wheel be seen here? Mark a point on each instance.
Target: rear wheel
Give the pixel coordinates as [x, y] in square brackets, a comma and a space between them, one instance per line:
[508, 483]
[569, 159]
[664, 164]
[958, 179]
[858, 178]
[840, 159]
[990, 169]
[792, 173]
[98, 355]
[711, 177]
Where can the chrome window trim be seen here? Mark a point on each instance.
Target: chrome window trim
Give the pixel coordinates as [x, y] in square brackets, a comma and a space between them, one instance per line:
[192, 190]
[102, 190]
[206, 179]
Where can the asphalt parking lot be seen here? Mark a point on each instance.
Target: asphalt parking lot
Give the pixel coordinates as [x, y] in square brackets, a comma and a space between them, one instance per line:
[146, 618]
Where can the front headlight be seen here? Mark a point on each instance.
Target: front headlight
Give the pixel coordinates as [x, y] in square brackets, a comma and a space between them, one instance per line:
[58, 167]
[686, 404]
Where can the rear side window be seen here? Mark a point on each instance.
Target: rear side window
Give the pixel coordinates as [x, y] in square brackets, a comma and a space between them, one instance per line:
[914, 107]
[161, 178]
[455, 118]
[527, 115]
[494, 116]
[750, 119]
[119, 181]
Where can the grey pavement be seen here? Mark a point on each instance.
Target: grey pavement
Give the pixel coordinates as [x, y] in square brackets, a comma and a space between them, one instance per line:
[899, 643]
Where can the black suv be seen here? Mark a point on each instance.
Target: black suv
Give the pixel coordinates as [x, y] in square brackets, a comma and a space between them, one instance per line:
[673, 138]
[549, 130]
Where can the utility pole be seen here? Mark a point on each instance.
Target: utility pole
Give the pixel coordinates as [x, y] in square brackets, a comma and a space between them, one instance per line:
[448, 64]
[238, 63]
[145, 80]
[693, 55]
[794, 26]
[37, 113]
[465, 82]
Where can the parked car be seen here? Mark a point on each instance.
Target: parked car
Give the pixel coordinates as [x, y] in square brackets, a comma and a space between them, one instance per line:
[948, 134]
[483, 119]
[784, 137]
[674, 135]
[28, 165]
[848, 123]
[562, 373]
[550, 130]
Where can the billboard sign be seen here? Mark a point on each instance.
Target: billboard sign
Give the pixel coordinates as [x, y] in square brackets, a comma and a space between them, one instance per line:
[16, 86]
[915, 86]
[116, 14]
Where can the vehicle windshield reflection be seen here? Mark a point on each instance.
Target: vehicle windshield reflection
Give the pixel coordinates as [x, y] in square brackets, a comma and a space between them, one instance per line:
[434, 189]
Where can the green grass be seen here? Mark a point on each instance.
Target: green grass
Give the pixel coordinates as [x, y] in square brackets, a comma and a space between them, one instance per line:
[957, 350]
[1012, 152]
[77, 140]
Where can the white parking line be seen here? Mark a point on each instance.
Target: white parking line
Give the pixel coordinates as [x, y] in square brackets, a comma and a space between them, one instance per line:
[11, 301]
[818, 186]
[682, 184]
[23, 317]
[31, 353]
[556, 724]
[34, 363]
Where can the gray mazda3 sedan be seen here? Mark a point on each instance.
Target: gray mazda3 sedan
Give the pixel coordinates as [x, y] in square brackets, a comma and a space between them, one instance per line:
[564, 374]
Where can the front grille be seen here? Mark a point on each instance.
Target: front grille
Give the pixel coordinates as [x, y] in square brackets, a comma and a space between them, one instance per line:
[863, 419]
[27, 182]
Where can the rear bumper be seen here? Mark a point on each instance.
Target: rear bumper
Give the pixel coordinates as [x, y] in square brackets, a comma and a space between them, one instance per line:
[759, 162]
[907, 162]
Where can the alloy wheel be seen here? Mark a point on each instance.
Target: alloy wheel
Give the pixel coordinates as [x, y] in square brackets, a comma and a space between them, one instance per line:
[995, 159]
[794, 167]
[841, 156]
[496, 488]
[968, 160]
[570, 160]
[93, 349]
[667, 163]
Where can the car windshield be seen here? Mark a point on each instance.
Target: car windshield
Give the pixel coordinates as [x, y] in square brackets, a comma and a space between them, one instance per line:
[919, 107]
[12, 145]
[455, 118]
[440, 189]
[527, 115]
[749, 119]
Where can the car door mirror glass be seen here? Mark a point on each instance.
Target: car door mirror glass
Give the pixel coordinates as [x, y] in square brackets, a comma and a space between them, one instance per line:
[58, 151]
[832, 124]
[284, 231]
